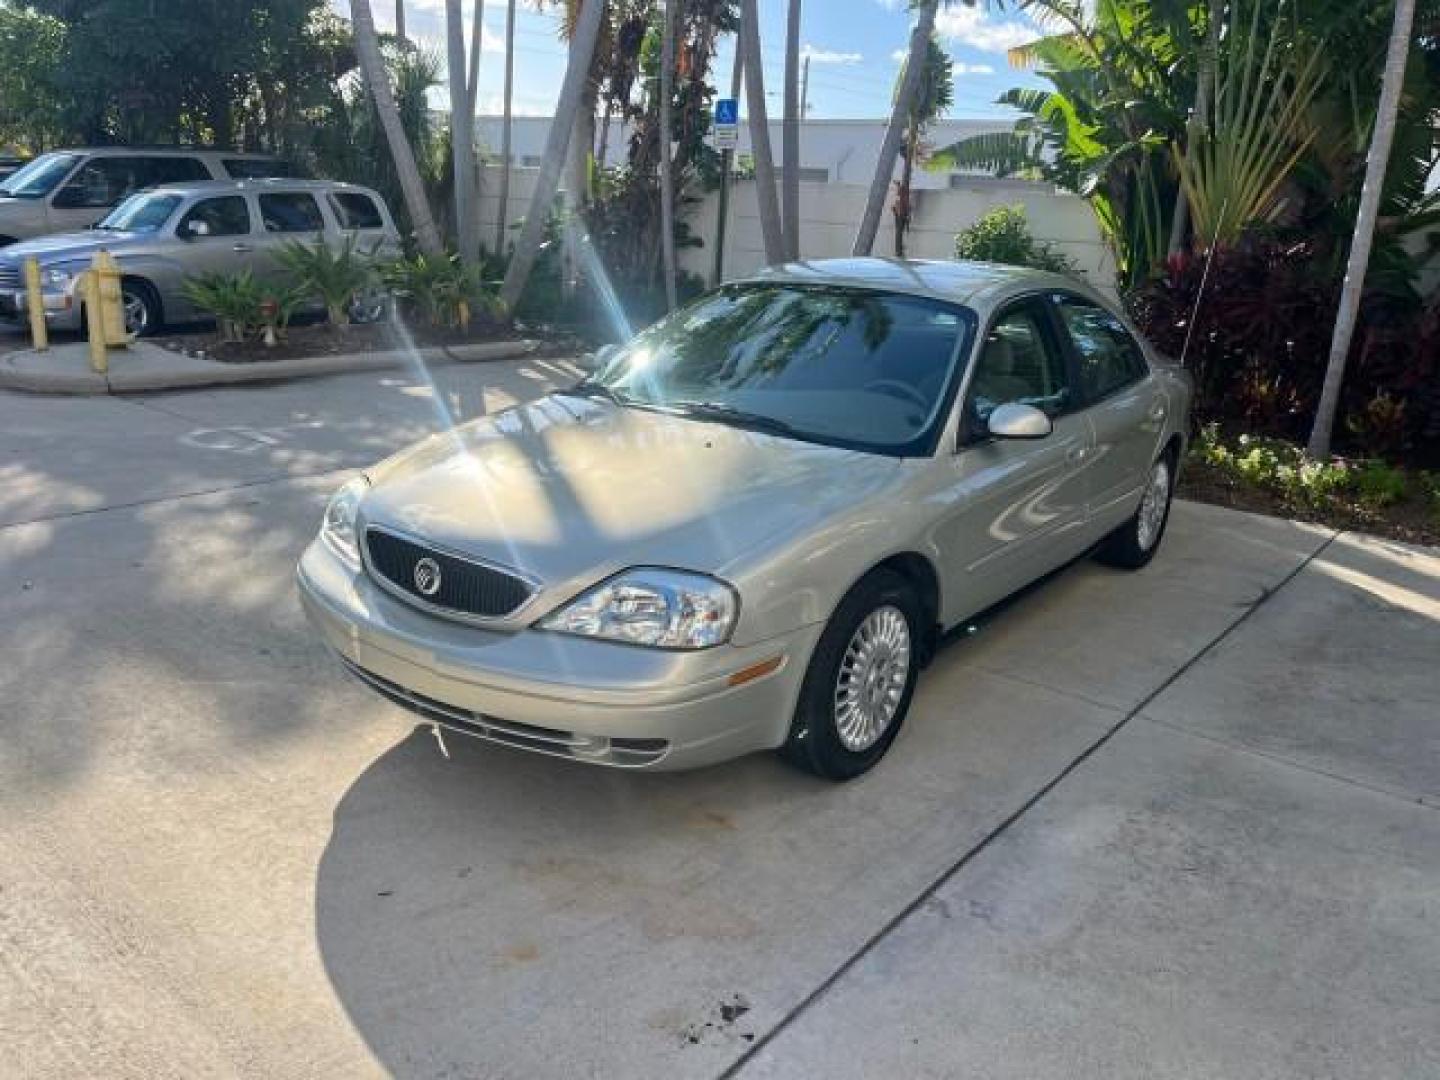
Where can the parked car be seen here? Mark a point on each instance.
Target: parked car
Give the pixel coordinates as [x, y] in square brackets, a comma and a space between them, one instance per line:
[9, 165]
[164, 236]
[749, 527]
[71, 189]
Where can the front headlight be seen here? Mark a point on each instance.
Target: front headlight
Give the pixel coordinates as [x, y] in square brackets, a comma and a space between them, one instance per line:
[55, 278]
[664, 609]
[338, 529]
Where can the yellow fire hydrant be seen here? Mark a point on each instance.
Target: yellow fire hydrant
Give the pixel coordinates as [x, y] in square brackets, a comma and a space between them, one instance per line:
[35, 306]
[104, 310]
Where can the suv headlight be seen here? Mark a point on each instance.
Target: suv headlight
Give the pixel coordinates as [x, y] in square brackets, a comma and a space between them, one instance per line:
[664, 609]
[338, 528]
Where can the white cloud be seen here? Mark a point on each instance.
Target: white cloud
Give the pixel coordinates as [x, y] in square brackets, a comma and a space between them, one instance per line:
[829, 56]
[976, 28]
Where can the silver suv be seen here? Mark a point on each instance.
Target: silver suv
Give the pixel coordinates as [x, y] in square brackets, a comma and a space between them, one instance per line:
[71, 189]
[164, 236]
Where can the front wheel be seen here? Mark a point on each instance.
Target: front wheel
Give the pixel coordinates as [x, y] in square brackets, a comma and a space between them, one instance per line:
[142, 308]
[1134, 544]
[861, 678]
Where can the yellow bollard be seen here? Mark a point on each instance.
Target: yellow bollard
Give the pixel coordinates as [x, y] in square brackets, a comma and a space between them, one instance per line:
[112, 303]
[35, 306]
[95, 322]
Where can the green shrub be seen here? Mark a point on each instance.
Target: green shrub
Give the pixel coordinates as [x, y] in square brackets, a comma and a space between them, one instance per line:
[335, 278]
[1003, 236]
[242, 306]
[441, 290]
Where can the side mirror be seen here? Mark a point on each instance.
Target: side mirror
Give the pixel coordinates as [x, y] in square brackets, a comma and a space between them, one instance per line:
[597, 360]
[196, 229]
[1017, 421]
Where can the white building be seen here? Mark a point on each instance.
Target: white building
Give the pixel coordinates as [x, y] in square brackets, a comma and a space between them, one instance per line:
[831, 151]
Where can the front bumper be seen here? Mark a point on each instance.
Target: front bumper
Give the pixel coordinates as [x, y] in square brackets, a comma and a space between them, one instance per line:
[591, 701]
[62, 309]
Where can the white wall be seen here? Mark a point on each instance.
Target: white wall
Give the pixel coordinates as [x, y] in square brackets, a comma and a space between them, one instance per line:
[830, 214]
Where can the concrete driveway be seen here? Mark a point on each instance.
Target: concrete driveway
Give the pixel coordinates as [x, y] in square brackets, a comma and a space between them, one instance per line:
[1181, 823]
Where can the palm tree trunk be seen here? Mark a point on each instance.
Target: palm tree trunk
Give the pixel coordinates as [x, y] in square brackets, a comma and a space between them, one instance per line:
[502, 215]
[903, 208]
[667, 179]
[462, 135]
[770, 225]
[1385, 123]
[895, 132]
[790, 135]
[400, 19]
[377, 81]
[477, 44]
[577, 75]
[1199, 122]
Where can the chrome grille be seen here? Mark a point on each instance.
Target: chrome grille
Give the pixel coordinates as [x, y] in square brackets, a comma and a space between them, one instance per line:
[10, 279]
[466, 587]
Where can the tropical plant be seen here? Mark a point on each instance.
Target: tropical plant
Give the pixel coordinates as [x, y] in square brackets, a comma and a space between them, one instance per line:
[336, 278]
[242, 305]
[1003, 236]
[444, 291]
[382, 94]
[936, 95]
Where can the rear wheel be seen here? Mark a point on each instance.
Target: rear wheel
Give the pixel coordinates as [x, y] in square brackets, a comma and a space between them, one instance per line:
[861, 678]
[1134, 544]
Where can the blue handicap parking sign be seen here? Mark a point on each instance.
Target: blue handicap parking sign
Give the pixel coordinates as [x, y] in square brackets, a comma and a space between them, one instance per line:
[727, 111]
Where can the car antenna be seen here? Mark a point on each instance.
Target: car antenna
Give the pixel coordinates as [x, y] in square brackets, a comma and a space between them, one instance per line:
[1204, 281]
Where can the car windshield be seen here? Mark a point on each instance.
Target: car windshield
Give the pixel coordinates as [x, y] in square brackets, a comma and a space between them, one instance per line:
[40, 177]
[843, 366]
[145, 212]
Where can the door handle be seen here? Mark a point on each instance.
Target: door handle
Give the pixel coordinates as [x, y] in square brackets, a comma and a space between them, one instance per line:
[1076, 454]
[1158, 411]
[243, 248]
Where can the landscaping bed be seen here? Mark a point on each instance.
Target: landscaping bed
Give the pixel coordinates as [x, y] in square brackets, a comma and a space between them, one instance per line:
[1269, 476]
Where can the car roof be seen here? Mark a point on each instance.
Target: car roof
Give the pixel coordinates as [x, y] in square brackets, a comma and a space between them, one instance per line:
[975, 284]
[168, 151]
[279, 183]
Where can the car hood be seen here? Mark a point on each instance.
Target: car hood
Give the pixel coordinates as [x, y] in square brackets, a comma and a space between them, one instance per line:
[64, 247]
[570, 490]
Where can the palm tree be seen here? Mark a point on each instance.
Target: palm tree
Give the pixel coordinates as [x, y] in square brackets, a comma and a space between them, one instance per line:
[770, 225]
[462, 133]
[572, 90]
[790, 135]
[477, 45]
[895, 132]
[377, 79]
[505, 128]
[937, 94]
[1360, 248]
[400, 19]
[667, 181]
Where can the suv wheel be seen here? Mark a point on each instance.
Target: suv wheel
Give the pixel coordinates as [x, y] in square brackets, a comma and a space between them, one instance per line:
[861, 678]
[142, 308]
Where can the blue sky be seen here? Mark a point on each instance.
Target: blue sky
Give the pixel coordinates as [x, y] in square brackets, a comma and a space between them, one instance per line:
[853, 45]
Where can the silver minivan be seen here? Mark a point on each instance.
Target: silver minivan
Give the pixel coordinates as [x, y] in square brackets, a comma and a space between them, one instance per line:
[71, 189]
[167, 235]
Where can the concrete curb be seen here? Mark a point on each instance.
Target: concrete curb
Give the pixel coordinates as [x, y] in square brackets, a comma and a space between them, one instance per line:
[65, 369]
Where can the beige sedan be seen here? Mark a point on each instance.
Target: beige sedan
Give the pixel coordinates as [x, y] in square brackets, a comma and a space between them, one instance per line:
[749, 526]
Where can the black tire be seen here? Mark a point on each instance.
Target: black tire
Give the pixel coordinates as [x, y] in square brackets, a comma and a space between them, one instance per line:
[815, 743]
[1133, 545]
[142, 293]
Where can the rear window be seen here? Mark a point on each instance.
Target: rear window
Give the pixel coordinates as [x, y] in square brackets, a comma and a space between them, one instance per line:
[291, 212]
[356, 211]
[259, 168]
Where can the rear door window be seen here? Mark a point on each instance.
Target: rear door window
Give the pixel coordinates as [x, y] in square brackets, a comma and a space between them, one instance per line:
[1110, 359]
[259, 168]
[176, 170]
[291, 212]
[356, 211]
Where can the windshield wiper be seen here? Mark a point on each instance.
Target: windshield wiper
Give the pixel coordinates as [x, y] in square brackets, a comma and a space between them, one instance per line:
[729, 414]
[589, 389]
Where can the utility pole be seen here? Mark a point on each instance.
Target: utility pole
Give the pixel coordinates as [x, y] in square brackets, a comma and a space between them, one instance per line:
[727, 161]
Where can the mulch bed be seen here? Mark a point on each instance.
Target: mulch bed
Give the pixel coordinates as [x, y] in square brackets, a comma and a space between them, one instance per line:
[1412, 521]
[319, 339]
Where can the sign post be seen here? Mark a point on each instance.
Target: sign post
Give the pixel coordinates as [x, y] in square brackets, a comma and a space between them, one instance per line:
[727, 137]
